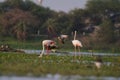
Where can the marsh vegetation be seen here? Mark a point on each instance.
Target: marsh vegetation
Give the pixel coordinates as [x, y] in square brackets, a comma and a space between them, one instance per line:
[21, 64]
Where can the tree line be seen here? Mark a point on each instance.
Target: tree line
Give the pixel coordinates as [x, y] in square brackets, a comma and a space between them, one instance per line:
[98, 23]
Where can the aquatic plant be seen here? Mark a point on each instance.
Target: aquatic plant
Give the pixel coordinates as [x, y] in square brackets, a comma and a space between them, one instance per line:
[29, 64]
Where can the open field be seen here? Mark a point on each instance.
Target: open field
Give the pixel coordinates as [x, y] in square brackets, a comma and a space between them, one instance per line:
[29, 64]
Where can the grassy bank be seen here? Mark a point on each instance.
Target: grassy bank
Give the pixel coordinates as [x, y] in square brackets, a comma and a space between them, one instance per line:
[29, 64]
[35, 43]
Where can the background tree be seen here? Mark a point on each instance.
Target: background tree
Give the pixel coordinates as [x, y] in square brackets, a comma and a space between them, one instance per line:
[77, 17]
[13, 18]
[43, 14]
[57, 25]
[106, 33]
[99, 9]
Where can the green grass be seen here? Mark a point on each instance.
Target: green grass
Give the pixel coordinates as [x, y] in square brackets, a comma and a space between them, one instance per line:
[23, 64]
[35, 43]
[23, 44]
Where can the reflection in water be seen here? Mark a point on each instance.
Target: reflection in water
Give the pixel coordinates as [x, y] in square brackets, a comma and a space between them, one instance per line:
[58, 77]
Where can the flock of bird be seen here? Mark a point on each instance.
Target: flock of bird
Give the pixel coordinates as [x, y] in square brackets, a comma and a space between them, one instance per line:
[47, 45]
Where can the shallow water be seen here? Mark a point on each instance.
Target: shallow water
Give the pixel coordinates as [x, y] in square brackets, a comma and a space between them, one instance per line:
[58, 77]
[71, 53]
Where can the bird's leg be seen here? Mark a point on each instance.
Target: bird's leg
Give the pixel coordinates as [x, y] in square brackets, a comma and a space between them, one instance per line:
[47, 51]
[40, 55]
[75, 53]
[42, 52]
[79, 52]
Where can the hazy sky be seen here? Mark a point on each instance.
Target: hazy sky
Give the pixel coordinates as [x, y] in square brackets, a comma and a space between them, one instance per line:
[63, 5]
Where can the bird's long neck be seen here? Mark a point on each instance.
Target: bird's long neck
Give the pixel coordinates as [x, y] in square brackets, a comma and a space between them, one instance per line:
[43, 48]
[75, 35]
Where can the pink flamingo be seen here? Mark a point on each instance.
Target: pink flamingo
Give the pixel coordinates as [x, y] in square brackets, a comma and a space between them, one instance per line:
[76, 43]
[48, 45]
[62, 38]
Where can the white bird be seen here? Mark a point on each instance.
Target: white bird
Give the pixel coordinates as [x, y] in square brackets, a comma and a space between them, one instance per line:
[76, 43]
[62, 38]
[47, 45]
[98, 62]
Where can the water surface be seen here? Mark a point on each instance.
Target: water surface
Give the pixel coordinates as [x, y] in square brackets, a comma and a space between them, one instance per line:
[58, 77]
[72, 53]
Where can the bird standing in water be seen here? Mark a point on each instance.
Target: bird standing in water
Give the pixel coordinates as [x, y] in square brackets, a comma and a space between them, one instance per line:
[62, 38]
[47, 45]
[76, 43]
